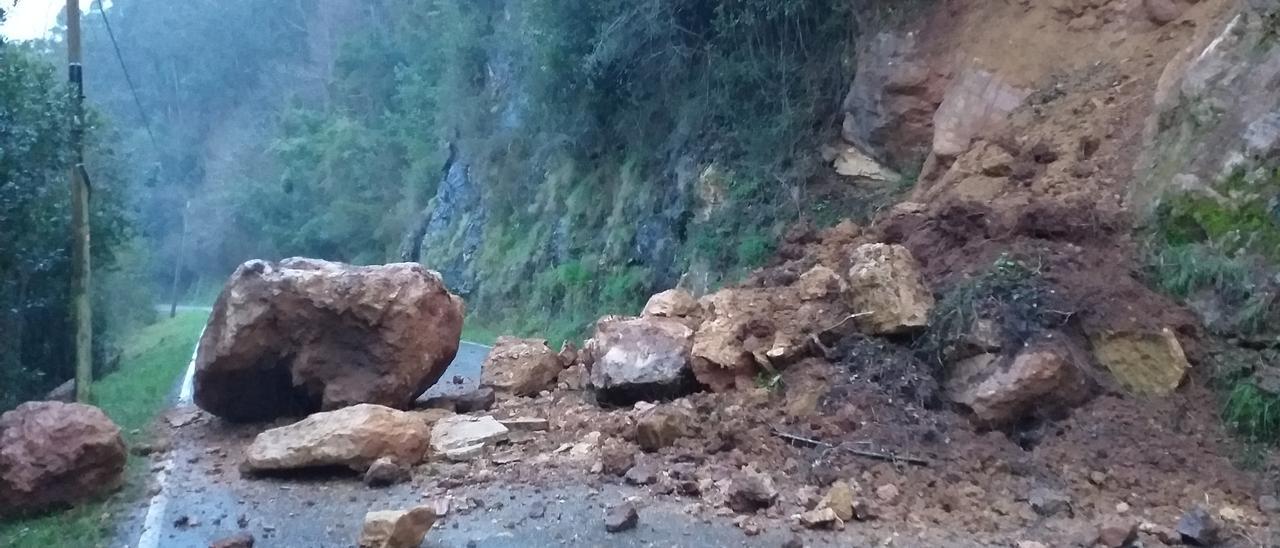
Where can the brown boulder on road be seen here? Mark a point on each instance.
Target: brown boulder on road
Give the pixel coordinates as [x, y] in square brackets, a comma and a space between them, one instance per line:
[54, 454]
[304, 335]
[354, 437]
[641, 359]
[521, 367]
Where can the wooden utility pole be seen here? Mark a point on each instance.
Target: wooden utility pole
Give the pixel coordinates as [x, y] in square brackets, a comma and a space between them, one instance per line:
[80, 269]
[177, 264]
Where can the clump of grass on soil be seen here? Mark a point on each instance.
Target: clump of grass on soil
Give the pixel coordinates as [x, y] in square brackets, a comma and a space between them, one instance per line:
[1253, 413]
[152, 362]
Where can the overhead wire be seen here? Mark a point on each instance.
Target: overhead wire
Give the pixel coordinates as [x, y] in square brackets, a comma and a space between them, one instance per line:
[133, 90]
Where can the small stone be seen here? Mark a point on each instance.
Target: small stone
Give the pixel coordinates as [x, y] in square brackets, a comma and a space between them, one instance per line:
[657, 430]
[839, 499]
[1165, 535]
[1198, 528]
[238, 540]
[887, 493]
[1097, 478]
[525, 424]
[384, 472]
[616, 457]
[1117, 532]
[396, 528]
[750, 526]
[1122, 508]
[1048, 502]
[641, 474]
[793, 542]
[751, 491]
[1031, 544]
[820, 518]
[863, 511]
[538, 510]
[621, 518]
[1268, 504]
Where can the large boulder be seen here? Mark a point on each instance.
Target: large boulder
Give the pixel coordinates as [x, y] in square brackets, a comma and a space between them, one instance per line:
[641, 359]
[55, 454]
[306, 335]
[1043, 379]
[521, 367]
[886, 290]
[353, 437]
[396, 528]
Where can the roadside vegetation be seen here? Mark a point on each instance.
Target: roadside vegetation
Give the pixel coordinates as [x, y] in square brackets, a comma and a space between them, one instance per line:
[152, 361]
[1218, 253]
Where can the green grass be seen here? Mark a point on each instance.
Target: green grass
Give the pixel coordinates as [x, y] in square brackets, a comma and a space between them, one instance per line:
[1253, 413]
[153, 360]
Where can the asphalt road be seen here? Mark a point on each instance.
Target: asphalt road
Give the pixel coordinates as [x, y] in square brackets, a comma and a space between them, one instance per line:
[200, 497]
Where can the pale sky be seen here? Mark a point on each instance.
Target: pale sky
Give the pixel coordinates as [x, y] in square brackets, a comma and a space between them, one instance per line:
[28, 19]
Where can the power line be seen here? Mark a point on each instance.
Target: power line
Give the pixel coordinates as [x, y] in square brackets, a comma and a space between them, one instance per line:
[142, 112]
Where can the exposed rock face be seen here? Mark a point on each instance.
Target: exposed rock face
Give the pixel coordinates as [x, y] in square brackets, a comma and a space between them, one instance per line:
[641, 358]
[396, 528]
[890, 106]
[353, 437]
[1150, 364]
[977, 103]
[54, 454]
[306, 335]
[886, 288]
[521, 367]
[1042, 379]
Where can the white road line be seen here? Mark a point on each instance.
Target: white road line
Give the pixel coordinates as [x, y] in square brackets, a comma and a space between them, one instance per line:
[153, 525]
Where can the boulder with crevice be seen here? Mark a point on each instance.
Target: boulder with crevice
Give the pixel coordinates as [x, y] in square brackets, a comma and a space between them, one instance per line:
[352, 437]
[1043, 379]
[521, 367]
[55, 454]
[303, 335]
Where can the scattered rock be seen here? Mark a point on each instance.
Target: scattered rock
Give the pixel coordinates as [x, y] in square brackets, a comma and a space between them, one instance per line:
[819, 283]
[820, 518]
[463, 437]
[1031, 544]
[1041, 379]
[1117, 532]
[851, 162]
[616, 457]
[353, 437]
[642, 474]
[480, 399]
[54, 454]
[673, 303]
[621, 518]
[751, 491]
[1162, 12]
[1165, 535]
[574, 377]
[793, 542]
[750, 526]
[303, 335]
[1049, 502]
[641, 359]
[396, 528]
[1268, 504]
[521, 367]
[1197, 527]
[887, 493]
[839, 498]
[384, 472]
[525, 424]
[1148, 364]
[863, 511]
[238, 540]
[659, 429]
[886, 289]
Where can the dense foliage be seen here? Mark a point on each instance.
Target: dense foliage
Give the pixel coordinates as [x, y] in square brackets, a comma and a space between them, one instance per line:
[35, 327]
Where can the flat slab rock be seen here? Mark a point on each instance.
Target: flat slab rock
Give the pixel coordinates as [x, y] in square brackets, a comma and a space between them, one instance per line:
[353, 437]
[303, 335]
[461, 437]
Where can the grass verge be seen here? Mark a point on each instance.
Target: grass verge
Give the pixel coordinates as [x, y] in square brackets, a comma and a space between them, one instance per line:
[153, 361]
